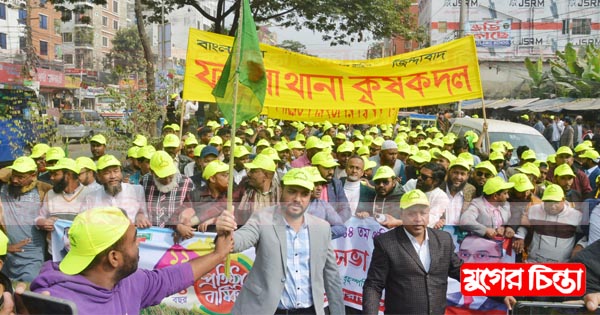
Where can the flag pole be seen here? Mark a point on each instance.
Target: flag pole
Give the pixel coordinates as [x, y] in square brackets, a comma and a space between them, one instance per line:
[486, 135]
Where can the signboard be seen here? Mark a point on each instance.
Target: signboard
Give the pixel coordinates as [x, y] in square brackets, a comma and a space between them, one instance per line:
[490, 33]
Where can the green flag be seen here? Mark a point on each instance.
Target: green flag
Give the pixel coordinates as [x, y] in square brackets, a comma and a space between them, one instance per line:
[246, 59]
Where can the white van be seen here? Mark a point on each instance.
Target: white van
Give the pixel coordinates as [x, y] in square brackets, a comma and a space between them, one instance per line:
[499, 130]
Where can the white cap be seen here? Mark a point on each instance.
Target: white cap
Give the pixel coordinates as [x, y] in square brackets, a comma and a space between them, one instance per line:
[389, 144]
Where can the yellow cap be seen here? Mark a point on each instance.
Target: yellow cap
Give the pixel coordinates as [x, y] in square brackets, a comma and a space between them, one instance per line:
[99, 139]
[39, 150]
[175, 127]
[314, 142]
[357, 144]
[106, 161]
[324, 159]
[326, 126]
[65, 164]
[467, 157]
[470, 134]
[584, 146]
[263, 162]
[525, 116]
[249, 132]
[146, 152]
[84, 161]
[590, 154]
[91, 233]
[404, 148]
[446, 155]
[368, 163]
[327, 140]
[140, 140]
[364, 150]
[298, 177]
[55, 153]
[300, 138]
[423, 144]
[551, 158]
[213, 168]
[198, 150]
[3, 243]
[295, 145]
[496, 156]
[521, 182]
[508, 145]
[437, 142]
[563, 170]
[272, 153]
[460, 162]
[315, 175]
[564, 150]
[422, 156]
[384, 172]
[357, 134]
[133, 152]
[378, 141]
[263, 143]
[412, 198]
[24, 164]
[530, 169]
[281, 146]
[190, 140]
[528, 155]
[553, 192]
[434, 152]
[174, 96]
[475, 116]
[240, 151]
[487, 165]
[340, 136]
[216, 140]
[171, 141]
[373, 129]
[162, 164]
[496, 184]
[346, 147]
[498, 147]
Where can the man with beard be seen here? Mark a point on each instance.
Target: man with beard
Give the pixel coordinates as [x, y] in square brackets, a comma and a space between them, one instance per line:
[97, 147]
[87, 173]
[459, 191]
[258, 190]
[483, 171]
[359, 196]
[38, 154]
[21, 200]
[431, 176]
[295, 264]
[116, 193]
[209, 200]
[389, 156]
[172, 145]
[333, 190]
[388, 192]
[521, 198]
[100, 273]
[241, 156]
[344, 151]
[168, 194]
[589, 162]
[65, 199]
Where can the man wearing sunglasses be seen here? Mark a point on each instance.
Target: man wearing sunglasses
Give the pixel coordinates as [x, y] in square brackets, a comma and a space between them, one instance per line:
[483, 171]
[431, 176]
[387, 197]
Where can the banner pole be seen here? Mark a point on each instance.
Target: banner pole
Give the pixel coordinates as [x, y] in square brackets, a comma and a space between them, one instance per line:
[487, 134]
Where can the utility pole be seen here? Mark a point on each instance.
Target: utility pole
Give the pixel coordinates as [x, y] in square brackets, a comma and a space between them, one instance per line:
[29, 68]
[464, 12]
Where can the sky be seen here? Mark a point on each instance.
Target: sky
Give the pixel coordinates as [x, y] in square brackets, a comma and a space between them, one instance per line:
[316, 46]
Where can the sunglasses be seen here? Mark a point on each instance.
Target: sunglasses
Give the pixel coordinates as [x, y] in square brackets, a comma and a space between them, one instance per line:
[483, 174]
[425, 177]
[382, 182]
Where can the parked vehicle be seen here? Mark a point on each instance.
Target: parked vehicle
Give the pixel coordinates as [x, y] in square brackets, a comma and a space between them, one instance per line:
[79, 124]
[499, 130]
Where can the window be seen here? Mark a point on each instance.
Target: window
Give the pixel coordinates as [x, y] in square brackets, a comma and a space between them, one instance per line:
[104, 21]
[42, 3]
[68, 58]
[67, 37]
[565, 26]
[22, 16]
[115, 24]
[43, 22]
[116, 6]
[104, 41]
[22, 43]
[408, 44]
[105, 5]
[43, 48]
[3, 41]
[582, 27]
[442, 26]
[2, 12]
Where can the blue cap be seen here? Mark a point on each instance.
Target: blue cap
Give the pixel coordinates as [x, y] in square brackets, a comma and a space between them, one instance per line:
[209, 149]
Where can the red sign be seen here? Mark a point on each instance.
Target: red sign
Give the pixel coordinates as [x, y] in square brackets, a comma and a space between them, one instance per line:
[77, 71]
[50, 78]
[497, 279]
[10, 73]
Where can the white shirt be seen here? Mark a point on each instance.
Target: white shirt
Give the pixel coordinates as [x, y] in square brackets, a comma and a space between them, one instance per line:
[454, 208]
[421, 249]
[188, 169]
[352, 190]
[594, 225]
[591, 170]
[339, 172]
[131, 199]
[238, 176]
[438, 203]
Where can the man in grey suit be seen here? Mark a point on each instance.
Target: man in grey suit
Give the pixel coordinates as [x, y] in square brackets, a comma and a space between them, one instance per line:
[295, 264]
[412, 263]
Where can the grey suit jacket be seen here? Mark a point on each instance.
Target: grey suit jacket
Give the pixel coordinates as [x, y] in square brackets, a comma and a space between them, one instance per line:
[264, 286]
[409, 289]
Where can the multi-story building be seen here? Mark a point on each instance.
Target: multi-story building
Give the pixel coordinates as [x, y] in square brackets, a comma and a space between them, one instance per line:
[12, 27]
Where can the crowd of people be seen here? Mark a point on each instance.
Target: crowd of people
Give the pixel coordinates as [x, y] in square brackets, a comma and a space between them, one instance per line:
[305, 179]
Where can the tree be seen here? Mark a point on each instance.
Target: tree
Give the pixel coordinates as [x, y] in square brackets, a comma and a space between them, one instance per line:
[375, 50]
[293, 45]
[126, 55]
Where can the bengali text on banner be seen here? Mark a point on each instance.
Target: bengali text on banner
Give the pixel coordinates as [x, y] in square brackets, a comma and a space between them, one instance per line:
[306, 88]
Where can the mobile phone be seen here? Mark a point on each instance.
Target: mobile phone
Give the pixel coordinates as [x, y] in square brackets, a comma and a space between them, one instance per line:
[535, 307]
[34, 303]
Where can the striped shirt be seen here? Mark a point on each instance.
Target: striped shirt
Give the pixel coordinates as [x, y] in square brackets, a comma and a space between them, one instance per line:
[297, 292]
[164, 208]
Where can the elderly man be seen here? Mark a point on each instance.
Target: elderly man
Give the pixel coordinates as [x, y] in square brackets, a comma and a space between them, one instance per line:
[360, 196]
[333, 191]
[211, 199]
[97, 147]
[100, 274]
[412, 263]
[389, 156]
[167, 194]
[116, 193]
[459, 191]
[258, 190]
[295, 264]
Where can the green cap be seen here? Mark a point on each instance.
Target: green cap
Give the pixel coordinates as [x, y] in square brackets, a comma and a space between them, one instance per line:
[106, 161]
[171, 141]
[133, 152]
[530, 169]
[553, 192]
[384, 172]
[315, 175]
[38, 150]
[496, 184]
[55, 153]
[298, 177]
[91, 233]
[461, 163]
[422, 156]
[213, 168]
[99, 139]
[240, 151]
[190, 140]
[140, 140]
[324, 159]
[496, 156]
[487, 165]
[162, 164]
[590, 154]
[564, 150]
[563, 170]
[146, 152]
[346, 147]
[65, 164]
[84, 161]
[263, 162]
[521, 182]
[528, 155]
[24, 164]
[413, 198]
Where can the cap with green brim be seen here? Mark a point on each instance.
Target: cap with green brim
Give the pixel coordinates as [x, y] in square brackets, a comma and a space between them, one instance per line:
[162, 164]
[24, 164]
[298, 177]
[213, 168]
[412, 198]
[496, 184]
[384, 172]
[521, 182]
[65, 164]
[554, 193]
[324, 159]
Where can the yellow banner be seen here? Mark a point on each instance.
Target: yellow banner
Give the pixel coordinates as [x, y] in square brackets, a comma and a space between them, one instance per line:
[307, 88]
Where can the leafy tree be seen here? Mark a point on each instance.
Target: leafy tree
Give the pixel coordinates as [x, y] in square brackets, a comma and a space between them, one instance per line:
[573, 73]
[126, 56]
[293, 45]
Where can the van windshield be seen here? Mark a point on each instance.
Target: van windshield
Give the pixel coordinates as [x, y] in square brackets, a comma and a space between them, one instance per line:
[537, 143]
[92, 116]
[70, 118]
